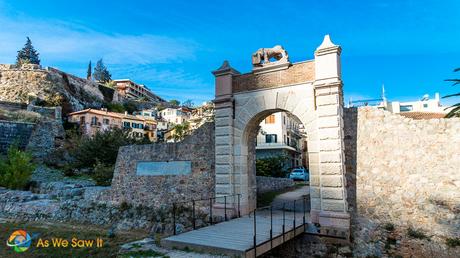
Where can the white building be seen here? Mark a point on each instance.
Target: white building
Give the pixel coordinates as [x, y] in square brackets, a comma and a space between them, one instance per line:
[425, 104]
[174, 115]
[281, 134]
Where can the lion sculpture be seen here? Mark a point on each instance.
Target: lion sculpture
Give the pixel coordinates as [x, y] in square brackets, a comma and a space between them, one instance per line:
[263, 55]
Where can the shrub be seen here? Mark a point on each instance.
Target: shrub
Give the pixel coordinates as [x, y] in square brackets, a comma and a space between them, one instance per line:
[103, 174]
[453, 242]
[415, 233]
[102, 147]
[16, 169]
[115, 107]
[273, 167]
[389, 226]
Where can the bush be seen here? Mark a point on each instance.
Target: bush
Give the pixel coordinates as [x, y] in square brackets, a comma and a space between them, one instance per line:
[103, 174]
[389, 226]
[115, 107]
[16, 169]
[102, 147]
[453, 242]
[273, 166]
[414, 233]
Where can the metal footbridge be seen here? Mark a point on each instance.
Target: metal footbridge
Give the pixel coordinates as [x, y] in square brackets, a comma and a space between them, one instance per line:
[252, 235]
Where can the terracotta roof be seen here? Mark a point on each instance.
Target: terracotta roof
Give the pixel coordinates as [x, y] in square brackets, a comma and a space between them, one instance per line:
[422, 115]
[106, 113]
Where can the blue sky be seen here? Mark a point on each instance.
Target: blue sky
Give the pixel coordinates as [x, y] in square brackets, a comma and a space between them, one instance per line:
[172, 46]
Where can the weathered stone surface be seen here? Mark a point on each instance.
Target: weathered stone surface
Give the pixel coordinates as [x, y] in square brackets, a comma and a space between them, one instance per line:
[403, 171]
[270, 184]
[155, 191]
[18, 83]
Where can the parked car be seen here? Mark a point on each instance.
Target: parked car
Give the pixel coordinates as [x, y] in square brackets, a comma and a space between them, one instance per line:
[299, 174]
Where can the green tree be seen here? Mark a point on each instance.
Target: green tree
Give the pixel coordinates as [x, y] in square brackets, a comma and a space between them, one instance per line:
[88, 72]
[188, 103]
[174, 102]
[115, 107]
[101, 74]
[16, 169]
[180, 131]
[455, 112]
[272, 167]
[28, 54]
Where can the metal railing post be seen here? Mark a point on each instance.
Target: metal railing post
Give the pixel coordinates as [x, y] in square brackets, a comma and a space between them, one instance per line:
[193, 215]
[255, 233]
[271, 227]
[210, 211]
[174, 218]
[294, 218]
[239, 212]
[284, 218]
[304, 210]
[225, 207]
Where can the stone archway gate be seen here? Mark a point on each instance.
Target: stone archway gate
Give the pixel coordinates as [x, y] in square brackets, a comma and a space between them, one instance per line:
[310, 90]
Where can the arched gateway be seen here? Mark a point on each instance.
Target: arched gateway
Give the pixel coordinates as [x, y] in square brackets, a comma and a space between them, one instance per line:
[311, 91]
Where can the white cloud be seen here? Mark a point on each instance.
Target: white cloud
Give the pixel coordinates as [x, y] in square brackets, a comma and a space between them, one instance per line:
[66, 42]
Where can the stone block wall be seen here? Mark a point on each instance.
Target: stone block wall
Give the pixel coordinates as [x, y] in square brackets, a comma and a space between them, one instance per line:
[269, 184]
[14, 132]
[403, 171]
[157, 191]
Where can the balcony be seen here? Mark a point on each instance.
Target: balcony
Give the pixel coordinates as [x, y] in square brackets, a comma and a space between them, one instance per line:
[276, 145]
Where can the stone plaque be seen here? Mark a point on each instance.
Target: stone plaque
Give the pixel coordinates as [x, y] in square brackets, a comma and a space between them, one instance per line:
[152, 168]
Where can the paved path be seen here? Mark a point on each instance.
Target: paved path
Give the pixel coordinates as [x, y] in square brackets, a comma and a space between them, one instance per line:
[289, 197]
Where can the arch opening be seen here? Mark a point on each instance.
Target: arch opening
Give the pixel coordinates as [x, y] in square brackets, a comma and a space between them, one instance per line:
[276, 139]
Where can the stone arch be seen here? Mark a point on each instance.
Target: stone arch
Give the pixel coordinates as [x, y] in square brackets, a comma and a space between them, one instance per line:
[311, 91]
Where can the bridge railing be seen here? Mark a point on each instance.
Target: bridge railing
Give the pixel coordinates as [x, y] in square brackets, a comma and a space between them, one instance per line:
[202, 203]
[284, 208]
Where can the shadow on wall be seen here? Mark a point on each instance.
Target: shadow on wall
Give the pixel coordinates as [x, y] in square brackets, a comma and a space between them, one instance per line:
[350, 140]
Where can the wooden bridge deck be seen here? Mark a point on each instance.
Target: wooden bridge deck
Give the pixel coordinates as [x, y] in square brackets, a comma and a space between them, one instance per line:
[235, 237]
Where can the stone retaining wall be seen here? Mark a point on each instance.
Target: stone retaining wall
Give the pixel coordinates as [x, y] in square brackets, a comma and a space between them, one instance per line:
[270, 184]
[160, 190]
[14, 132]
[402, 171]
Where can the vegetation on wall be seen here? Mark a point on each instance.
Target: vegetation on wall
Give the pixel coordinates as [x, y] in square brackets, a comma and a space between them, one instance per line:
[16, 168]
[180, 131]
[98, 154]
[28, 54]
[272, 166]
[455, 112]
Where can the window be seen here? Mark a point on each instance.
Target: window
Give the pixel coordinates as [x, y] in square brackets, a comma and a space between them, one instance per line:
[106, 121]
[94, 120]
[284, 119]
[270, 119]
[405, 108]
[271, 138]
[425, 105]
[82, 119]
[126, 124]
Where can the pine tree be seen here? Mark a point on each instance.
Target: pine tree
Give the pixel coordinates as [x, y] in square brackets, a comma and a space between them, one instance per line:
[101, 73]
[28, 54]
[88, 73]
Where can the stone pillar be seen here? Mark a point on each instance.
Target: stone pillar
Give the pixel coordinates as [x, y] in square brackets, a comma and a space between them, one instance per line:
[329, 186]
[224, 115]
